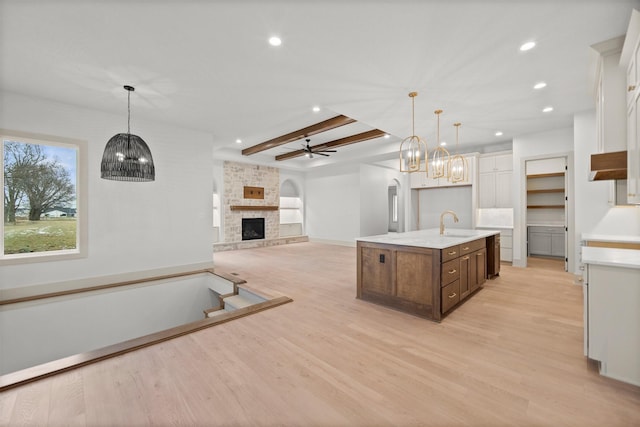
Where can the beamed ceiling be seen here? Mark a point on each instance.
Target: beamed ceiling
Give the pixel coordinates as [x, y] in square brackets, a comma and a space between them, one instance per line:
[208, 66]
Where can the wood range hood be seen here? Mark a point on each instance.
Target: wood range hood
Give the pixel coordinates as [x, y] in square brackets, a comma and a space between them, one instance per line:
[608, 166]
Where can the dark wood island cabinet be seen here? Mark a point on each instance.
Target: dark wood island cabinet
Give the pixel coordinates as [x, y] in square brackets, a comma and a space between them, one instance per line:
[421, 272]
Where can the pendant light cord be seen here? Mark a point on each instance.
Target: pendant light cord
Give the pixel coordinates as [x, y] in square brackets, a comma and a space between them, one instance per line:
[128, 112]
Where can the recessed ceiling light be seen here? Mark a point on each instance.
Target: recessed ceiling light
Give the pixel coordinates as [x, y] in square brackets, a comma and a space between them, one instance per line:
[316, 109]
[527, 46]
[387, 136]
[275, 41]
[547, 109]
[539, 85]
[443, 143]
[238, 141]
[499, 133]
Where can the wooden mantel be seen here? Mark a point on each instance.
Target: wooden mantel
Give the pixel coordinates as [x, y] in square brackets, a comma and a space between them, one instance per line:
[253, 208]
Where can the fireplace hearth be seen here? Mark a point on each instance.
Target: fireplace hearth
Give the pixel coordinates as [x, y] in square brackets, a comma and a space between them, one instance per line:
[252, 228]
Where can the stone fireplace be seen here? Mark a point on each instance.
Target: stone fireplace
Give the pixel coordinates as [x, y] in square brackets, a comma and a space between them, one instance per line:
[250, 192]
[252, 228]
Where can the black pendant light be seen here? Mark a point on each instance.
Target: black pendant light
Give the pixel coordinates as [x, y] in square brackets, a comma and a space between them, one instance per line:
[127, 157]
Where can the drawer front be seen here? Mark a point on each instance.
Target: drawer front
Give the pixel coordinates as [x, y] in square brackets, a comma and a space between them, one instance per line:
[467, 248]
[450, 253]
[450, 271]
[450, 296]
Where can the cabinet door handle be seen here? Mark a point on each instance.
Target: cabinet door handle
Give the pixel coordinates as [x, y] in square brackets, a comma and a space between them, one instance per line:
[479, 254]
[466, 248]
[453, 295]
[631, 195]
[465, 257]
[631, 88]
[452, 253]
[452, 271]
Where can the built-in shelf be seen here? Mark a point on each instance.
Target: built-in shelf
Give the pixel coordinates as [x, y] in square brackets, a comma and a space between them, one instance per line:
[546, 190]
[253, 208]
[545, 207]
[546, 175]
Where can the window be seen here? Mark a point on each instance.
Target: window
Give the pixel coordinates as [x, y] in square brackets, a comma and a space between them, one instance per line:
[44, 209]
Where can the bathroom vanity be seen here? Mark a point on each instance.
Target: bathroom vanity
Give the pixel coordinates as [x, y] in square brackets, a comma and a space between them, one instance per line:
[423, 272]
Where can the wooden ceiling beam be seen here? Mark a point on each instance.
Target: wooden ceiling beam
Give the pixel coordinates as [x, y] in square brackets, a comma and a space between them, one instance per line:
[352, 139]
[323, 126]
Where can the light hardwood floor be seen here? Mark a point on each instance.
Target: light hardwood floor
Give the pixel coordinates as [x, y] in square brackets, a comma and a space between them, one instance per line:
[511, 355]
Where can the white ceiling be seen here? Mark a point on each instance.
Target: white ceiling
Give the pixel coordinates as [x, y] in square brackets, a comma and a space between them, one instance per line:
[207, 65]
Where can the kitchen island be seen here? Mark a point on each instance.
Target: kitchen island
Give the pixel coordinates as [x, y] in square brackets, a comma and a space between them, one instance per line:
[425, 273]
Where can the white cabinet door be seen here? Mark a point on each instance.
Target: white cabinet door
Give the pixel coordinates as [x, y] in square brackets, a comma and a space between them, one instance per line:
[504, 185]
[494, 182]
[487, 190]
[614, 321]
[633, 153]
[504, 162]
[486, 164]
[539, 243]
[557, 244]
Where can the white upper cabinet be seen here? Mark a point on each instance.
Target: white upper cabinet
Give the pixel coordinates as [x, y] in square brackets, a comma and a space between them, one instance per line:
[629, 59]
[610, 94]
[495, 181]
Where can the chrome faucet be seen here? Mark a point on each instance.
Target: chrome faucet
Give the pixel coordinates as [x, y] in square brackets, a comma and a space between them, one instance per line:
[455, 219]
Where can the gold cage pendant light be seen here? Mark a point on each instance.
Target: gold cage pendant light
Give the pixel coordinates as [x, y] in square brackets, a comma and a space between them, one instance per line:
[440, 156]
[458, 167]
[413, 149]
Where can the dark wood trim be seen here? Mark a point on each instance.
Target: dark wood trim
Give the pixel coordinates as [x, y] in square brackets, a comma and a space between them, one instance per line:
[323, 126]
[548, 190]
[106, 286]
[48, 369]
[352, 139]
[253, 192]
[546, 175]
[253, 208]
[615, 245]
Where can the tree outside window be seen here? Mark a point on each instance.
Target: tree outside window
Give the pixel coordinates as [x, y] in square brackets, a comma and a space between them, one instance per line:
[40, 198]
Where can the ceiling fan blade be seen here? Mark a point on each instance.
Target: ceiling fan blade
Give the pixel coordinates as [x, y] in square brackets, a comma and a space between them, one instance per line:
[320, 153]
[325, 151]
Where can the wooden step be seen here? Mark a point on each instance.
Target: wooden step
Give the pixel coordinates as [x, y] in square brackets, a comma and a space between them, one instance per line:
[222, 286]
[241, 301]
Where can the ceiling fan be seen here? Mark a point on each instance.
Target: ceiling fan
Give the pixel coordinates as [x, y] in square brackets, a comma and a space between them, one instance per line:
[309, 151]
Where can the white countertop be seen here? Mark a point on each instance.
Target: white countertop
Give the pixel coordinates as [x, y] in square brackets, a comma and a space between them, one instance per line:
[611, 238]
[625, 258]
[430, 238]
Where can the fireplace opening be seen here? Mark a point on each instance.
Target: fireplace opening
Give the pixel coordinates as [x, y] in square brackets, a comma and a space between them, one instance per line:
[252, 228]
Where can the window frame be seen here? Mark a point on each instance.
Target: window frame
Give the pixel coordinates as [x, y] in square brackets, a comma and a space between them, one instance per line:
[81, 198]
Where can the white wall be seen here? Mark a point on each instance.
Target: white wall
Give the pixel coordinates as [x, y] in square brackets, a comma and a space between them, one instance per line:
[40, 331]
[554, 143]
[434, 201]
[332, 209]
[374, 198]
[132, 226]
[349, 201]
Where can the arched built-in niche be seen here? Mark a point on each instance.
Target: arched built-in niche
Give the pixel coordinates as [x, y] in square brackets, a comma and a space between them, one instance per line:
[396, 207]
[291, 216]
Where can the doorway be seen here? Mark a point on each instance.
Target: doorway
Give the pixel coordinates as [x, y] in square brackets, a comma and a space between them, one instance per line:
[546, 209]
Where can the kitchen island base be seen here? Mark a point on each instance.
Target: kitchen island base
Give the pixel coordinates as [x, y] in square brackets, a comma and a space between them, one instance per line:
[423, 281]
